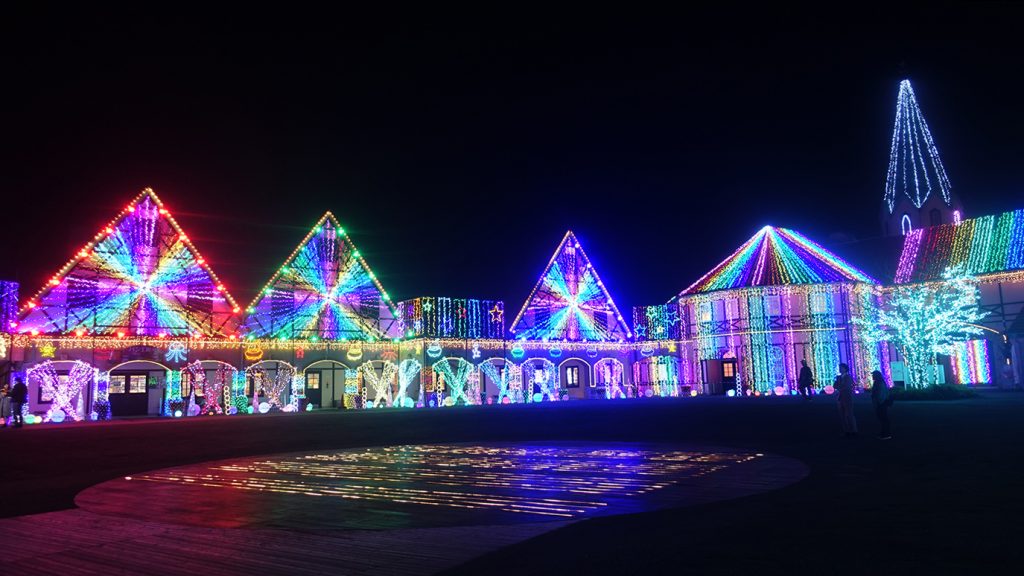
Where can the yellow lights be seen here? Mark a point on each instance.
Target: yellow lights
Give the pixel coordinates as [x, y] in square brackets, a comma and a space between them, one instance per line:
[517, 481]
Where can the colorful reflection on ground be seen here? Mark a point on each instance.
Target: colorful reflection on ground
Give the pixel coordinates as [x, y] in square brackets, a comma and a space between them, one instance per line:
[451, 483]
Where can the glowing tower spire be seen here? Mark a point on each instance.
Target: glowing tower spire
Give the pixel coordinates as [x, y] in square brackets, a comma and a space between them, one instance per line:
[915, 169]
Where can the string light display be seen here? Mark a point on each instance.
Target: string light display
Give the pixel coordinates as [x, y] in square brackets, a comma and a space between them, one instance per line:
[915, 169]
[608, 373]
[776, 300]
[979, 246]
[570, 302]
[273, 387]
[9, 294]
[658, 322]
[408, 369]
[324, 290]
[923, 320]
[139, 275]
[540, 377]
[970, 362]
[377, 387]
[66, 391]
[435, 317]
[460, 383]
[508, 379]
[777, 257]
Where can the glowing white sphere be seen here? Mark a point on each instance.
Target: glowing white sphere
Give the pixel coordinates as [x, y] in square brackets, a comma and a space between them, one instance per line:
[177, 413]
[264, 407]
[730, 392]
[57, 415]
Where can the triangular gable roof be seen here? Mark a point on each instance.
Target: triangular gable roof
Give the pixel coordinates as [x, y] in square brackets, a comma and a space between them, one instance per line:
[986, 245]
[777, 257]
[140, 275]
[570, 302]
[324, 290]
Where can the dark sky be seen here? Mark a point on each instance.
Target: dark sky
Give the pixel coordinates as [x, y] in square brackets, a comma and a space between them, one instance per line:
[457, 148]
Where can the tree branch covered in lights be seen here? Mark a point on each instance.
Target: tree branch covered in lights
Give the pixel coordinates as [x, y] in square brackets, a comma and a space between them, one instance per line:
[923, 320]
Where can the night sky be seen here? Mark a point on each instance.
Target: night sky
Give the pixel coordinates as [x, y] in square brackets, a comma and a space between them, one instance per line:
[458, 148]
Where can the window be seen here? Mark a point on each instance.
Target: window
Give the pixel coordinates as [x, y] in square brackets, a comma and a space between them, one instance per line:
[705, 311]
[729, 370]
[137, 384]
[662, 372]
[773, 305]
[819, 303]
[732, 308]
[538, 375]
[116, 385]
[313, 381]
[572, 377]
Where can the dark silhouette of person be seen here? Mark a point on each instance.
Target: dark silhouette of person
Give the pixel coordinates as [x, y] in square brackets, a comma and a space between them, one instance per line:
[19, 395]
[881, 398]
[844, 385]
[805, 381]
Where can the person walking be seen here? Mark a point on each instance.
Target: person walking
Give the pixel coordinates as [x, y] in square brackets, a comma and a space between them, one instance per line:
[881, 398]
[19, 395]
[805, 381]
[844, 385]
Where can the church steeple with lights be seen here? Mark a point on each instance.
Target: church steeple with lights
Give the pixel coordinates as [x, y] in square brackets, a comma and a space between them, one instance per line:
[917, 190]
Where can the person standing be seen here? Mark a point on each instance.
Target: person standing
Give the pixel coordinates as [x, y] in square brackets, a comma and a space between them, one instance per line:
[881, 398]
[19, 395]
[844, 385]
[5, 405]
[805, 381]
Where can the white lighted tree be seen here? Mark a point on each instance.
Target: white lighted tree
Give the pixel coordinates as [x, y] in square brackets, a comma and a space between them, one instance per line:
[923, 320]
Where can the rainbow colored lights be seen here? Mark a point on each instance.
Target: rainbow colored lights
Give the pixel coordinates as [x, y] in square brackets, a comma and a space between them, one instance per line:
[324, 290]
[139, 276]
[985, 245]
[777, 257]
[970, 362]
[570, 302]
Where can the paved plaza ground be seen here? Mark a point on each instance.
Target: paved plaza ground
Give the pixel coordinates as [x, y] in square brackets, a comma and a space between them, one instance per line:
[944, 495]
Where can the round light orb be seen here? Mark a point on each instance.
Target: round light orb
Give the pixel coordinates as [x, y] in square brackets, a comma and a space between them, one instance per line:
[780, 390]
[506, 400]
[433, 403]
[177, 413]
[264, 407]
[449, 401]
[57, 415]
[649, 393]
[369, 404]
[693, 392]
[538, 397]
[309, 407]
[829, 389]
[194, 410]
[408, 402]
[289, 408]
[233, 410]
[730, 393]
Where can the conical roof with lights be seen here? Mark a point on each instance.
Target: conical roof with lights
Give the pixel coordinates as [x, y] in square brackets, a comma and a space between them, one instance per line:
[915, 169]
[777, 257]
[139, 276]
[324, 290]
[570, 302]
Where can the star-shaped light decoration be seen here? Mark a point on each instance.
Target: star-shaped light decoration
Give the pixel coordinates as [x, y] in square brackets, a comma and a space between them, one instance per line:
[497, 314]
[47, 350]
